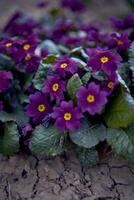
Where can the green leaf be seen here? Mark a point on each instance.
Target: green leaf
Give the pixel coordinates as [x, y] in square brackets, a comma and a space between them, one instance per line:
[131, 56]
[120, 112]
[86, 78]
[79, 52]
[47, 141]
[27, 80]
[42, 71]
[10, 140]
[121, 142]
[100, 76]
[73, 85]
[130, 132]
[81, 64]
[88, 136]
[18, 116]
[5, 62]
[87, 157]
[48, 45]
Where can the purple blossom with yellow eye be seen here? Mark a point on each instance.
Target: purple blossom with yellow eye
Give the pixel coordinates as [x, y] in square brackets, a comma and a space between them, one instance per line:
[5, 80]
[111, 83]
[91, 99]
[24, 47]
[54, 87]
[38, 107]
[122, 42]
[65, 65]
[1, 106]
[7, 44]
[105, 60]
[67, 116]
[30, 63]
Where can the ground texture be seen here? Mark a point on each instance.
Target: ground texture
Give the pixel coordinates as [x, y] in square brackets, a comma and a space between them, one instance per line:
[24, 177]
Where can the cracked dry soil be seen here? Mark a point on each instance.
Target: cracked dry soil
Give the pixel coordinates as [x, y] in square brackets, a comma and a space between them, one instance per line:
[24, 177]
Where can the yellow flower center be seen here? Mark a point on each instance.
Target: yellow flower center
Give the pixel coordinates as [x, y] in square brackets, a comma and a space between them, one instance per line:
[63, 65]
[110, 85]
[27, 57]
[41, 108]
[90, 98]
[55, 87]
[9, 44]
[120, 42]
[26, 47]
[104, 59]
[67, 116]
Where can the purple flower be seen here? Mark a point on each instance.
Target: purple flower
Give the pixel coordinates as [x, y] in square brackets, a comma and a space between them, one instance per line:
[65, 65]
[26, 134]
[74, 5]
[38, 107]
[30, 63]
[126, 23]
[118, 23]
[122, 42]
[18, 27]
[110, 84]
[1, 106]
[105, 60]
[7, 44]
[26, 129]
[67, 116]
[73, 41]
[129, 21]
[5, 80]
[55, 87]
[24, 47]
[91, 99]
[42, 4]
[62, 27]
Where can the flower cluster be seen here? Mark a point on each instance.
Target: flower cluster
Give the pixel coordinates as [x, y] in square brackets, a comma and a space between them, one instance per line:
[64, 74]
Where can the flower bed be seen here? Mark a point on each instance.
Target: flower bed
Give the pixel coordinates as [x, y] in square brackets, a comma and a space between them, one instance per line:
[67, 82]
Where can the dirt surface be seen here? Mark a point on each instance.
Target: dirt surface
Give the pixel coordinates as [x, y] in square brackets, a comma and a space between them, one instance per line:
[24, 177]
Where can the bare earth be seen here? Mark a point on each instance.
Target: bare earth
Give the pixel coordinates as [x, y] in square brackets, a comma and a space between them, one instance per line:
[24, 177]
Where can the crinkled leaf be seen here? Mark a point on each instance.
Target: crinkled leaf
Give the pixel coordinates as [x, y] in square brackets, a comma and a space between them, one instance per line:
[86, 78]
[100, 76]
[131, 56]
[5, 62]
[48, 45]
[10, 139]
[42, 71]
[88, 136]
[122, 143]
[79, 52]
[17, 116]
[120, 112]
[87, 157]
[81, 64]
[130, 132]
[73, 85]
[47, 141]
